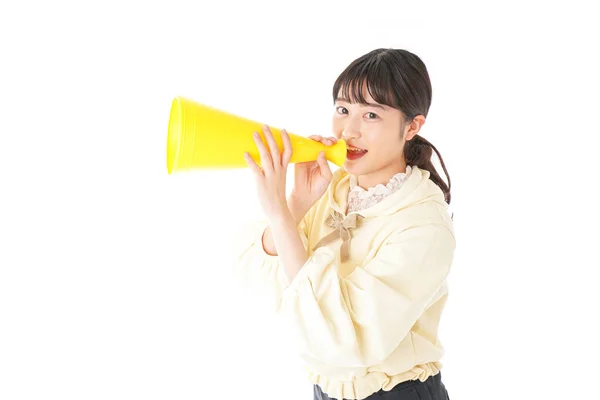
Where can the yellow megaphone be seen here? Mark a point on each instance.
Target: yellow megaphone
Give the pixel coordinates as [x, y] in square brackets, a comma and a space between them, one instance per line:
[202, 137]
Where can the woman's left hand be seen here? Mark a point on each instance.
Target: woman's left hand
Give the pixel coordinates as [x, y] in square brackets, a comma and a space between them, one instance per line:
[271, 178]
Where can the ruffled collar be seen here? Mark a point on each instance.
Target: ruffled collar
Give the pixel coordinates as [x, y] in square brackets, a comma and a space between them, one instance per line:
[359, 198]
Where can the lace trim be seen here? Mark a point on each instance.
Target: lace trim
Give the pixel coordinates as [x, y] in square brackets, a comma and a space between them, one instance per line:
[360, 199]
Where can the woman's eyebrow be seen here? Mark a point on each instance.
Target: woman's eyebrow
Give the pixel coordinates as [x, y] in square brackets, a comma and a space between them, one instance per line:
[375, 105]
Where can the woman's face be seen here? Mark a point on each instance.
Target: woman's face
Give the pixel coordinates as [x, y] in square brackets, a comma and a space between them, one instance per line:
[375, 141]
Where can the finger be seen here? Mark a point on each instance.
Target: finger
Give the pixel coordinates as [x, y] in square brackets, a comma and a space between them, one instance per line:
[287, 148]
[273, 148]
[317, 138]
[265, 157]
[256, 170]
[329, 141]
[324, 166]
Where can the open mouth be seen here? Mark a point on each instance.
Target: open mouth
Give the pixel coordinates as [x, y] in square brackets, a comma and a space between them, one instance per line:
[354, 153]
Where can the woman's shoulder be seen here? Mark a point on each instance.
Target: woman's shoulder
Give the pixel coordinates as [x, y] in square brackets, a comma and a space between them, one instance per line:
[430, 218]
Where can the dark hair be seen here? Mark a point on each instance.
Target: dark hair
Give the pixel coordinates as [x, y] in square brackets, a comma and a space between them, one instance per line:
[399, 79]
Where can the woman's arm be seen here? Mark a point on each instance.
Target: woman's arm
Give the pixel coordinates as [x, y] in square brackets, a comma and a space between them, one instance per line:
[286, 238]
[360, 319]
[298, 212]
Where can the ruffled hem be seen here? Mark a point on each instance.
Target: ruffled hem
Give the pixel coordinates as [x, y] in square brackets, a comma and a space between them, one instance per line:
[363, 387]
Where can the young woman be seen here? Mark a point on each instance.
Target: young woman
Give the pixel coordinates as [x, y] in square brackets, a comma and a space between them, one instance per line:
[357, 259]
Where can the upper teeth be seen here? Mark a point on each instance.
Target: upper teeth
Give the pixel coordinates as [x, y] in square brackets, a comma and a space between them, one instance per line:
[354, 149]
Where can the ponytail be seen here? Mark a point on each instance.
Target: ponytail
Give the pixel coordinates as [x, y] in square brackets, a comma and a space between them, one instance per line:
[418, 152]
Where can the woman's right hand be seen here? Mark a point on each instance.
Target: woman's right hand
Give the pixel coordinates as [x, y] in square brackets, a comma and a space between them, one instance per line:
[311, 180]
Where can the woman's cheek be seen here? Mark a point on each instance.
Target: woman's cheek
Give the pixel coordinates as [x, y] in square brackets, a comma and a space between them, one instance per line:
[338, 128]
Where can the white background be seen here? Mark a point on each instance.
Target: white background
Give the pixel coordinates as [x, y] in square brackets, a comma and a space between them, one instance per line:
[115, 279]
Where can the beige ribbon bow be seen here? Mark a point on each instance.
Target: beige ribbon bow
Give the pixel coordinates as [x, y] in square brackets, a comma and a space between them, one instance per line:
[342, 228]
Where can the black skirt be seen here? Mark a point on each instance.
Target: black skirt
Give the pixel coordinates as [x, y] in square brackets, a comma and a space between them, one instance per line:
[431, 389]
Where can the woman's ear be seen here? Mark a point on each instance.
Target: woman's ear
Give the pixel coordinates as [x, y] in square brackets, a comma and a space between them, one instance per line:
[412, 129]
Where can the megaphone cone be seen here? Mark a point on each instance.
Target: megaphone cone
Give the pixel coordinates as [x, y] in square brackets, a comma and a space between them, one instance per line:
[202, 137]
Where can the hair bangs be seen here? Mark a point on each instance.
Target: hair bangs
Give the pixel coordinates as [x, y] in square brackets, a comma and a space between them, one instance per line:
[366, 76]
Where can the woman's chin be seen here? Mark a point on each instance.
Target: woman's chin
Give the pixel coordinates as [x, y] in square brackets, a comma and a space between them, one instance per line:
[352, 168]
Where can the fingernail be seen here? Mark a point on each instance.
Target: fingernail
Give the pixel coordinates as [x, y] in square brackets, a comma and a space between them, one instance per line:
[256, 134]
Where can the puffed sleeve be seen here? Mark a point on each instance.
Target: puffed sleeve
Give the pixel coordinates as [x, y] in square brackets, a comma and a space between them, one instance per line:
[256, 271]
[358, 320]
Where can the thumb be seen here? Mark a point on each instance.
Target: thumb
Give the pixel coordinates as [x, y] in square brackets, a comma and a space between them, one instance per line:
[324, 166]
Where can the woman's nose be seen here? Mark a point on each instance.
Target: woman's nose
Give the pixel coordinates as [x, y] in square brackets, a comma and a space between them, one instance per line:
[350, 132]
[348, 128]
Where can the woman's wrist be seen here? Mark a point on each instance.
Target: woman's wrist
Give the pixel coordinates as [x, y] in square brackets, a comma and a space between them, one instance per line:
[297, 208]
[289, 245]
[296, 213]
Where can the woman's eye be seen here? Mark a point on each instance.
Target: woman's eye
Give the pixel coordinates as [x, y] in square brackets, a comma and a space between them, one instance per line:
[341, 110]
[371, 115]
